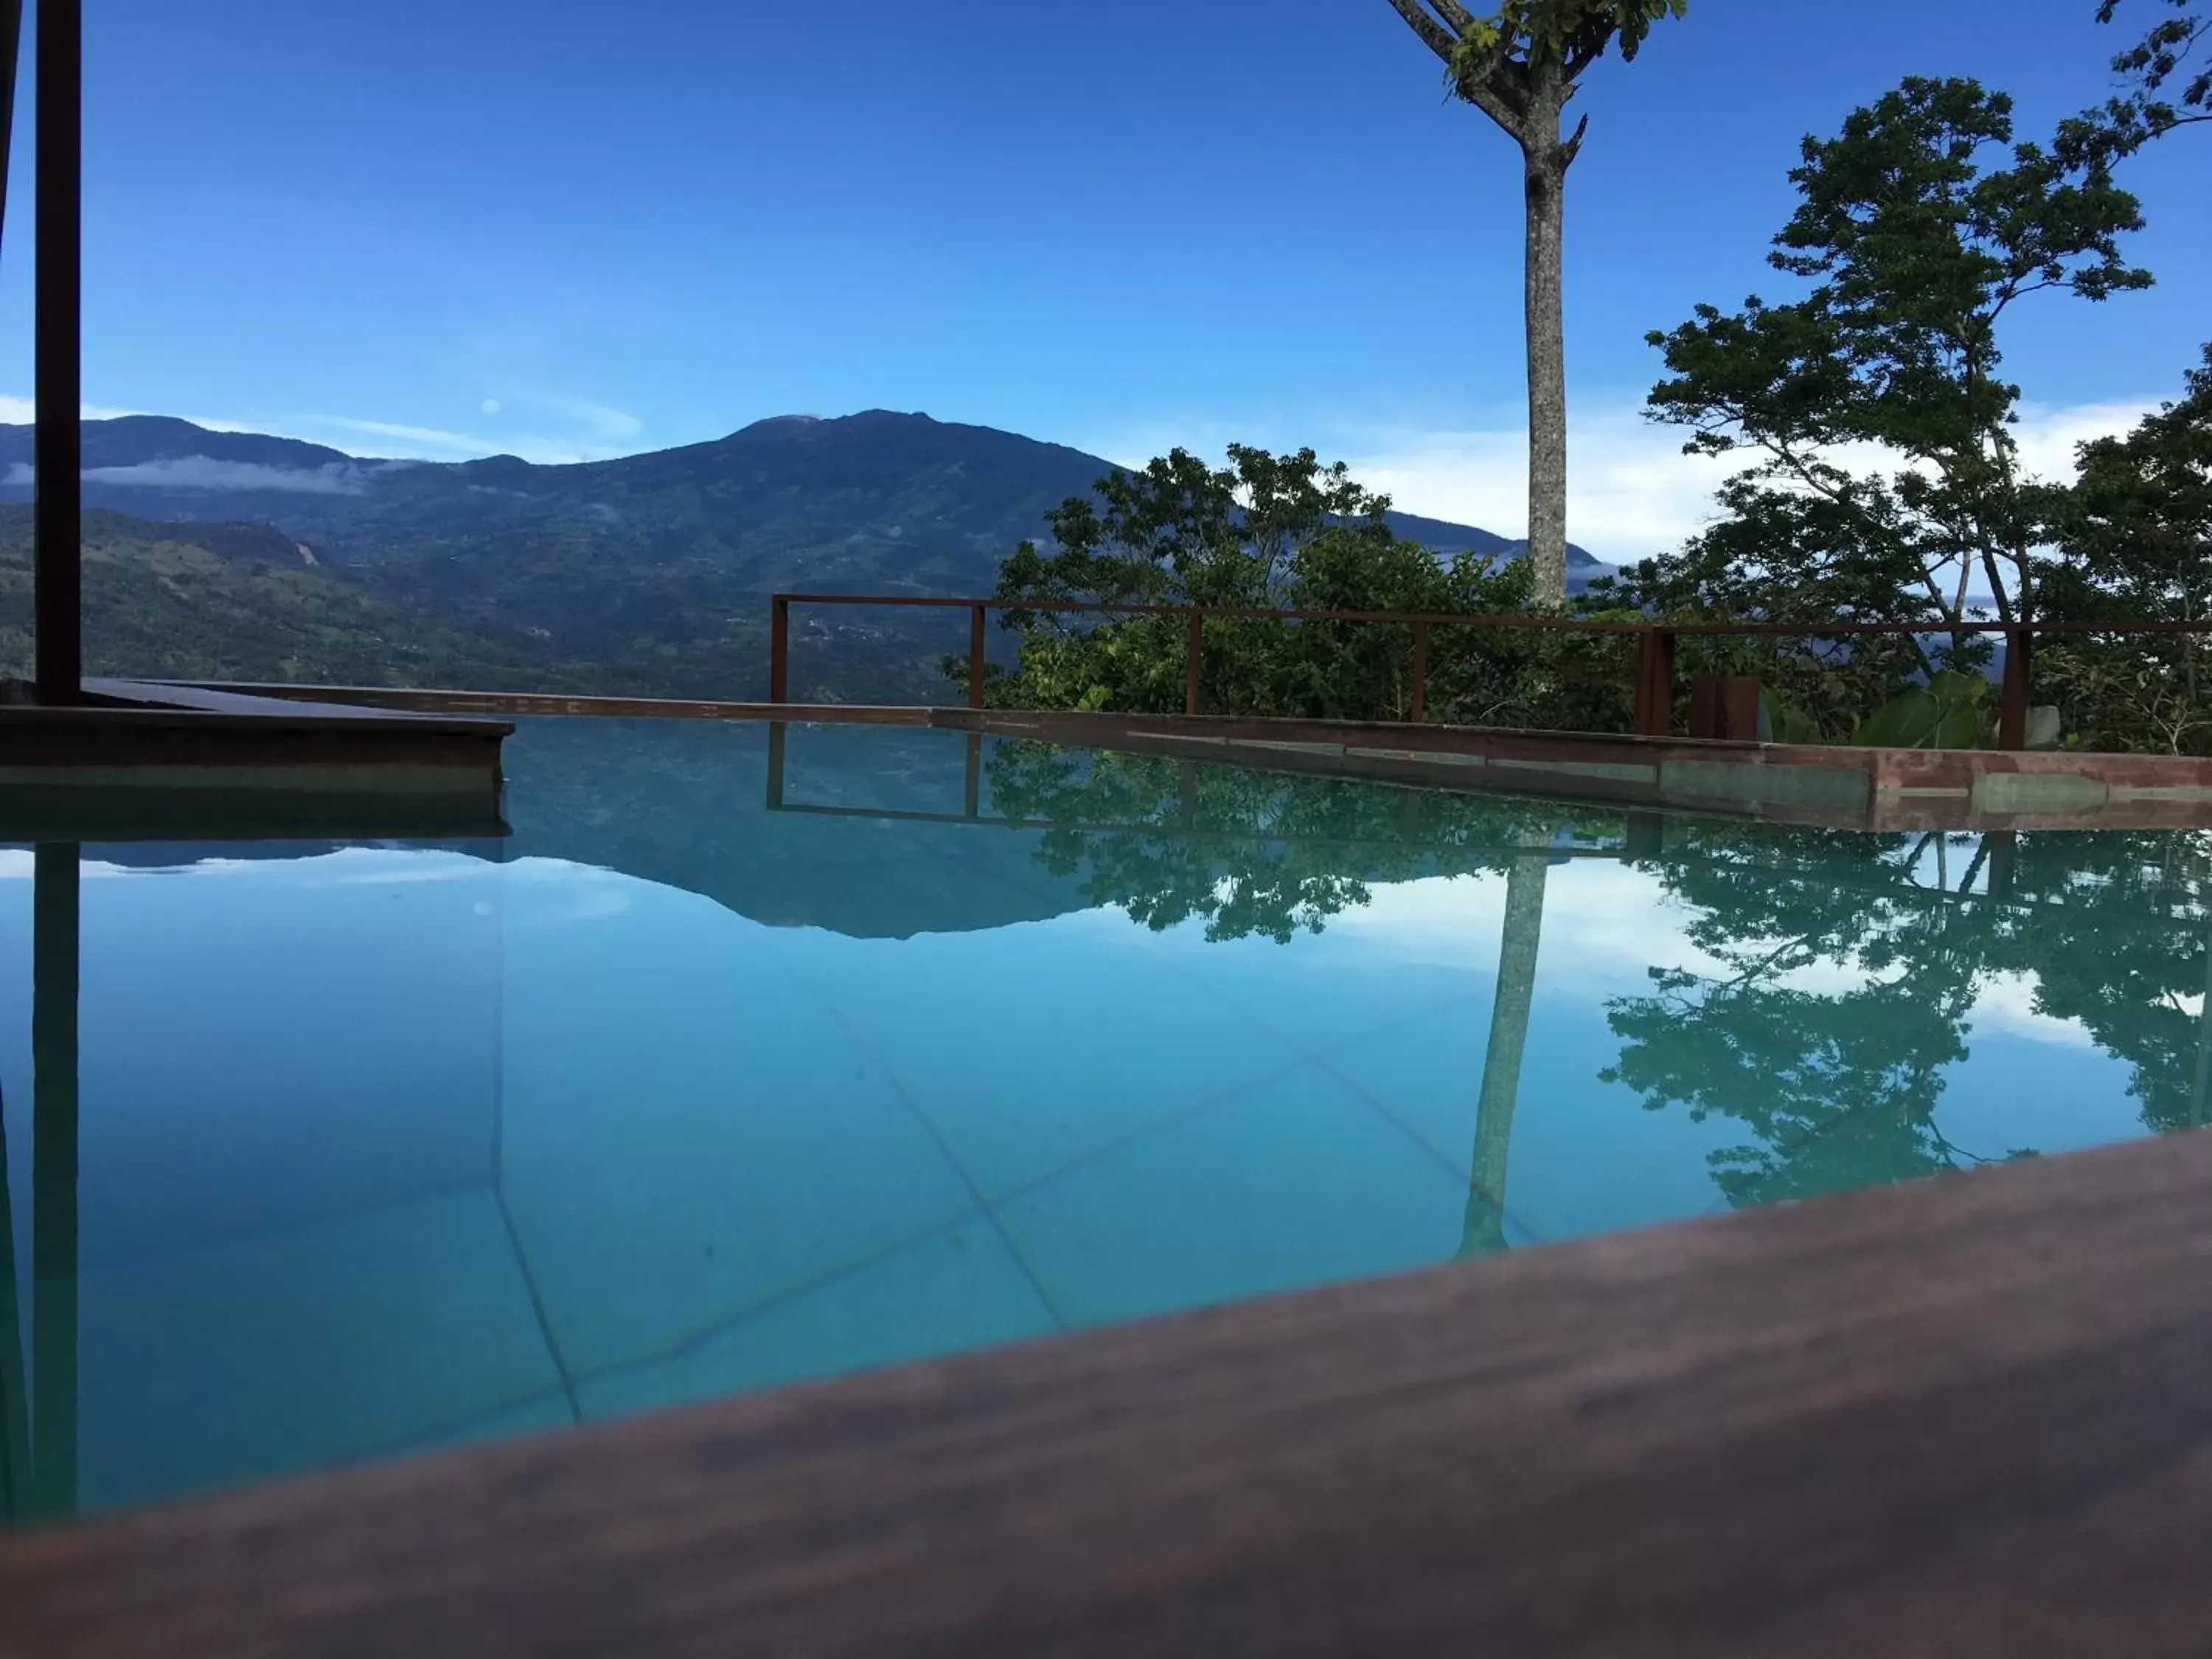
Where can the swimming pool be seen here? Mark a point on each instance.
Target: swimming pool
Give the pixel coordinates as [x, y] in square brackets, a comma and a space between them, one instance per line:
[750, 1057]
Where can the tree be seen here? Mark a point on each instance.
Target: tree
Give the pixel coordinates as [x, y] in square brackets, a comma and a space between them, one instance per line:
[2161, 59]
[1520, 65]
[1919, 227]
[2135, 530]
[1278, 532]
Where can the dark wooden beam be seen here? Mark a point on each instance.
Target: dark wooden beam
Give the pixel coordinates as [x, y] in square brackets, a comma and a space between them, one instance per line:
[54, 927]
[11, 53]
[57, 376]
[1965, 1416]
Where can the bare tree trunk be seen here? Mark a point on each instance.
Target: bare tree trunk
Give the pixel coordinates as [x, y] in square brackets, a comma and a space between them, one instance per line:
[1483, 1233]
[1545, 165]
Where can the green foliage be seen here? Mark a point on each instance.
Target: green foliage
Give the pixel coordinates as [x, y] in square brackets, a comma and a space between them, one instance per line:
[1918, 228]
[1279, 533]
[1885, 483]
[1950, 712]
[1572, 34]
[1785, 721]
[2166, 90]
[2136, 531]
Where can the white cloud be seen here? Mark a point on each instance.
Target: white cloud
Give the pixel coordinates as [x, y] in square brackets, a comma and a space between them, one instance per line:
[604, 420]
[2006, 1003]
[1631, 491]
[2049, 434]
[425, 443]
[20, 411]
[421, 437]
[204, 472]
[608, 431]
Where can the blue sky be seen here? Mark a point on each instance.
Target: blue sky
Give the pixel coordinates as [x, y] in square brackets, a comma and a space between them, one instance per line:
[567, 230]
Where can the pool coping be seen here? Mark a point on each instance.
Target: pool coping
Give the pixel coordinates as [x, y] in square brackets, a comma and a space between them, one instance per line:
[142, 760]
[1839, 787]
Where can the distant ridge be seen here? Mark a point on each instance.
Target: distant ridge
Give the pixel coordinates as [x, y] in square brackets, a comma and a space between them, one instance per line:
[656, 565]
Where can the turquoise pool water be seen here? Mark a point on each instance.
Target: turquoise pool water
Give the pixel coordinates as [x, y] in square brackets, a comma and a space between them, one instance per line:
[685, 1089]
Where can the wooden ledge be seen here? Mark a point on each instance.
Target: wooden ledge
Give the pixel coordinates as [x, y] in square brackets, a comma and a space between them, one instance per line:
[1833, 788]
[140, 761]
[1970, 1415]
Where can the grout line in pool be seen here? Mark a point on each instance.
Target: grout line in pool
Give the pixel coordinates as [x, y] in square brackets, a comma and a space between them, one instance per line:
[986, 1208]
[537, 1300]
[699, 1336]
[983, 1205]
[453, 1428]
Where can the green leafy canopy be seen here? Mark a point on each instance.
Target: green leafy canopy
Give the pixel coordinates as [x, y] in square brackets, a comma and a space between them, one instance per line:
[2169, 86]
[1919, 227]
[1570, 33]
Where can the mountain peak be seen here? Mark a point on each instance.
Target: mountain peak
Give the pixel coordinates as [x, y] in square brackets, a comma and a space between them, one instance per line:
[776, 423]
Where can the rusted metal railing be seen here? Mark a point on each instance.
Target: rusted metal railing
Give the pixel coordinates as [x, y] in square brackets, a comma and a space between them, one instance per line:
[1655, 678]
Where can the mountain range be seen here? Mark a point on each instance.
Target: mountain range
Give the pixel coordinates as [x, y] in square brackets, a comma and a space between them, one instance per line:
[648, 573]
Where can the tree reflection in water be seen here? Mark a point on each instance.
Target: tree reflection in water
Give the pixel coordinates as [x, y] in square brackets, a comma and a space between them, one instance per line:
[1848, 965]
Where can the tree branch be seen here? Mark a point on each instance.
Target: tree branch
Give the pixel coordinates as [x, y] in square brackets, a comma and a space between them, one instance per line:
[1423, 22]
[1573, 147]
[1579, 58]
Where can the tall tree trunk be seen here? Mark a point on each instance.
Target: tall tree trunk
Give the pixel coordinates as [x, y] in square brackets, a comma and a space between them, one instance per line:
[1483, 1233]
[1545, 167]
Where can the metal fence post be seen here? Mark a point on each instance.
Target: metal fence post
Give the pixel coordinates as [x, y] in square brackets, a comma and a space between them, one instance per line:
[1190, 677]
[2012, 708]
[779, 650]
[777, 738]
[1655, 683]
[1418, 703]
[975, 658]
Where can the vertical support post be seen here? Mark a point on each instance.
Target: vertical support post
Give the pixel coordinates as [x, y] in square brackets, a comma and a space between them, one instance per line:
[975, 658]
[778, 735]
[15, 1394]
[1190, 675]
[2012, 706]
[779, 650]
[974, 794]
[58, 513]
[1187, 793]
[11, 52]
[1417, 702]
[53, 1179]
[1724, 707]
[1655, 682]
